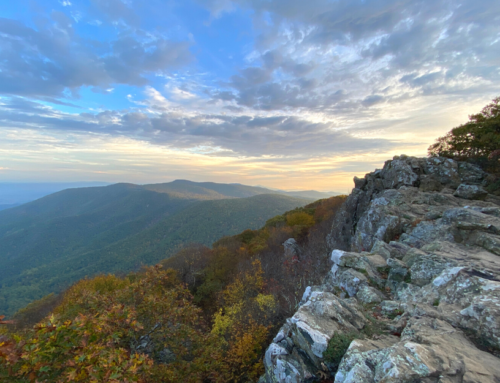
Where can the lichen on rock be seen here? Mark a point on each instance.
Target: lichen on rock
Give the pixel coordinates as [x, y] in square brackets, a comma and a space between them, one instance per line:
[415, 251]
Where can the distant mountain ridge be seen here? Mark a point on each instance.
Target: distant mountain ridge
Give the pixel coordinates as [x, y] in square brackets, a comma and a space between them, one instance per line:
[16, 193]
[8, 206]
[47, 244]
[212, 190]
[13, 194]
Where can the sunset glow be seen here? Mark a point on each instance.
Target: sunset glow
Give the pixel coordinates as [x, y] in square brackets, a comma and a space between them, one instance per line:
[283, 94]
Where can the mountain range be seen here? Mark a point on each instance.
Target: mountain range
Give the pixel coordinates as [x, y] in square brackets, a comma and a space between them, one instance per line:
[47, 244]
[17, 193]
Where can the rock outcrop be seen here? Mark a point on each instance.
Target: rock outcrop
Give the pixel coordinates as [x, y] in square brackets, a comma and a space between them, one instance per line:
[414, 285]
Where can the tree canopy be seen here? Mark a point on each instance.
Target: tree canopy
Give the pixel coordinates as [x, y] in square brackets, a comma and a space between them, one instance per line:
[203, 315]
[478, 139]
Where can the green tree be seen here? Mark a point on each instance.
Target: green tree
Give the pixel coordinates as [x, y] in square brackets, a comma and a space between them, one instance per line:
[300, 218]
[477, 139]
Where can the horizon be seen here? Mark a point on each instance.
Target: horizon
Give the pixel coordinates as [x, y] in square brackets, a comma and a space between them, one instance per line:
[283, 94]
[104, 183]
[18, 193]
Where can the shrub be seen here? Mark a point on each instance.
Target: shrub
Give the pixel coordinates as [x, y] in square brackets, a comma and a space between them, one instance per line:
[219, 272]
[122, 327]
[189, 264]
[326, 208]
[243, 324]
[337, 346]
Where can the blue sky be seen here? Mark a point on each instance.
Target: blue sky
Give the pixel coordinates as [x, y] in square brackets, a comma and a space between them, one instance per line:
[285, 93]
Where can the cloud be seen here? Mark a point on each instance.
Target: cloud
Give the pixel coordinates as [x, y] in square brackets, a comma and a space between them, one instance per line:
[308, 52]
[321, 56]
[321, 79]
[51, 60]
[116, 10]
[243, 135]
[372, 100]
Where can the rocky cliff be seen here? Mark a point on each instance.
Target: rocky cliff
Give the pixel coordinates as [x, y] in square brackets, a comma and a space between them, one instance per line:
[413, 294]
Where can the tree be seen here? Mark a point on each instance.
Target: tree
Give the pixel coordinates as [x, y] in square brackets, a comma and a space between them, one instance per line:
[300, 219]
[243, 323]
[478, 139]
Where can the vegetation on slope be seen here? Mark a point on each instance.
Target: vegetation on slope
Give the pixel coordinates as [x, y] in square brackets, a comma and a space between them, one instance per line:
[48, 244]
[7, 206]
[212, 191]
[36, 239]
[206, 190]
[202, 315]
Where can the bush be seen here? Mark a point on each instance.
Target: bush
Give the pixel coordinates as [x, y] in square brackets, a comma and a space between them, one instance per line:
[337, 346]
[112, 329]
[189, 264]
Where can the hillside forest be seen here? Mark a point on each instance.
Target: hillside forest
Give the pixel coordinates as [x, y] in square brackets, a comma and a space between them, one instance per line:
[48, 244]
[204, 314]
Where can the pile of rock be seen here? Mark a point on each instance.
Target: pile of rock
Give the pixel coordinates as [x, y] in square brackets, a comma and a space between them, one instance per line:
[415, 280]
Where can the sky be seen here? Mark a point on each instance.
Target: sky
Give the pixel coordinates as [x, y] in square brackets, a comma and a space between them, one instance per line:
[287, 94]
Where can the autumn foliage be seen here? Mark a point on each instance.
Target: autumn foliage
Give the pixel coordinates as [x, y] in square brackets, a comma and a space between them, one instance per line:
[204, 315]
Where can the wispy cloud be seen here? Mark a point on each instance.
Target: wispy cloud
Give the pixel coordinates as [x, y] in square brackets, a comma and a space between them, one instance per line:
[328, 88]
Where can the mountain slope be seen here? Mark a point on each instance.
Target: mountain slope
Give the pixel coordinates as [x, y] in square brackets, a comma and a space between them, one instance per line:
[212, 190]
[36, 237]
[8, 206]
[49, 243]
[75, 218]
[15, 193]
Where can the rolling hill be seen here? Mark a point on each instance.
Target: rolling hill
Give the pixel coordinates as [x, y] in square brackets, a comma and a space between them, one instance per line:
[17, 193]
[8, 206]
[47, 244]
[212, 190]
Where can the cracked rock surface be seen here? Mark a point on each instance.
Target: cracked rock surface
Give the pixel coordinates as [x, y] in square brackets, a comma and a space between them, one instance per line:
[415, 254]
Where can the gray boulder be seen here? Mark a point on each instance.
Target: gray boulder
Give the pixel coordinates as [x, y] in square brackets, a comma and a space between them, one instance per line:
[367, 295]
[359, 183]
[428, 183]
[471, 174]
[398, 173]
[284, 366]
[429, 350]
[470, 192]
[397, 274]
[444, 170]
[292, 248]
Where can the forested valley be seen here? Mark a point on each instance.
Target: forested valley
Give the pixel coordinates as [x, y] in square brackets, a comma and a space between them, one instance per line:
[204, 314]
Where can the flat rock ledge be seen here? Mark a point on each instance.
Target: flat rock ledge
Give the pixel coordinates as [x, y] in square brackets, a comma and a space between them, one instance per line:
[413, 294]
